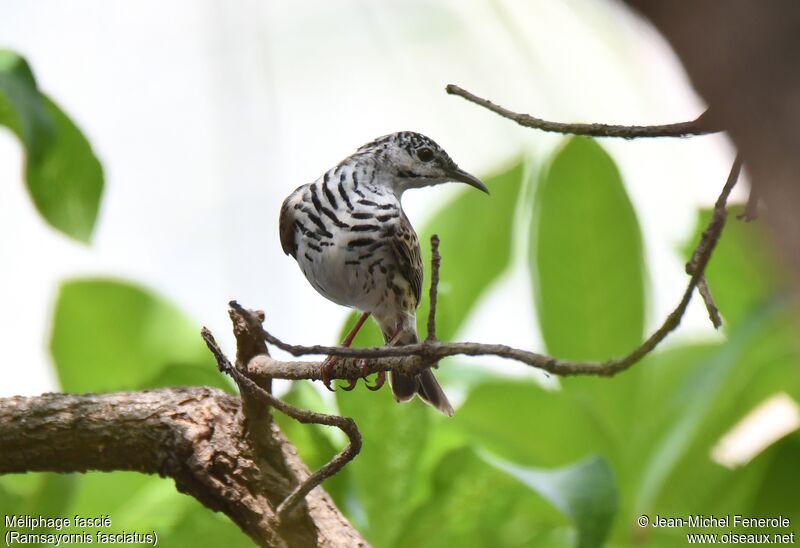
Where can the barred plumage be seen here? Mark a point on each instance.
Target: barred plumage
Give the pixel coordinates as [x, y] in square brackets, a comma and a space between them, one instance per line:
[355, 245]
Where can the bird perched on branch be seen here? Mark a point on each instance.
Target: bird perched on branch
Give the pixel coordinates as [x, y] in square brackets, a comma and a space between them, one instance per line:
[352, 240]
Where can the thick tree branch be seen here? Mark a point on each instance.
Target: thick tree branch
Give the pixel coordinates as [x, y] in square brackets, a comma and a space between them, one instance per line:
[347, 425]
[700, 126]
[191, 434]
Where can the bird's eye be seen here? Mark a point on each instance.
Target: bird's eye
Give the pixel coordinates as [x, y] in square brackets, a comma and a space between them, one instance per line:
[425, 154]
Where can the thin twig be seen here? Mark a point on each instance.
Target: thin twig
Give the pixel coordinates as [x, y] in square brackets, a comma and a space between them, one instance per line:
[708, 299]
[345, 424]
[700, 126]
[432, 351]
[436, 261]
[715, 225]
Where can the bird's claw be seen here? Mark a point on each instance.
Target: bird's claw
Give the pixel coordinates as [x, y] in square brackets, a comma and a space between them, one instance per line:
[326, 370]
[351, 383]
[380, 379]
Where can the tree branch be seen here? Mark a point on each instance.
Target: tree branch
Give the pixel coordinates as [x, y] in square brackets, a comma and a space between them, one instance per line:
[194, 435]
[708, 300]
[700, 126]
[347, 425]
[436, 261]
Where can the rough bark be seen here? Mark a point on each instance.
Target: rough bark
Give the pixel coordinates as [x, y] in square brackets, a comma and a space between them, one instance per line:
[198, 436]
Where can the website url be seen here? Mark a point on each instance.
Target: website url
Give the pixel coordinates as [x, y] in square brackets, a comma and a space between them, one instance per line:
[740, 538]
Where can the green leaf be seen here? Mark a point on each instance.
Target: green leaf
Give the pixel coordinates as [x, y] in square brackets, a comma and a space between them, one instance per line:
[37, 493]
[584, 491]
[624, 425]
[474, 504]
[22, 109]
[759, 361]
[110, 335]
[641, 406]
[53, 494]
[137, 502]
[766, 486]
[10, 501]
[314, 442]
[586, 256]
[368, 335]
[134, 501]
[199, 526]
[743, 271]
[385, 474]
[491, 413]
[776, 493]
[710, 399]
[490, 417]
[63, 176]
[189, 375]
[475, 231]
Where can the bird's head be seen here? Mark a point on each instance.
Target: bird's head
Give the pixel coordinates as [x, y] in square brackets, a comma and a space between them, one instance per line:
[411, 160]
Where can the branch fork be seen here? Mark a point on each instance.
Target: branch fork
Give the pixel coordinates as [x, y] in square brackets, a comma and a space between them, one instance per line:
[255, 369]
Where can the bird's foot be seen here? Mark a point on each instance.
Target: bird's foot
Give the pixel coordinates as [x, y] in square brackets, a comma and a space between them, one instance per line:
[326, 372]
[363, 365]
[380, 379]
[350, 385]
[330, 361]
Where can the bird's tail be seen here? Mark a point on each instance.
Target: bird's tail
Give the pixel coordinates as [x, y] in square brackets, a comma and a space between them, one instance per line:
[424, 383]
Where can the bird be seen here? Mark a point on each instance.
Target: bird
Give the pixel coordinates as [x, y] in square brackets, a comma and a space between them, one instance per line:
[355, 245]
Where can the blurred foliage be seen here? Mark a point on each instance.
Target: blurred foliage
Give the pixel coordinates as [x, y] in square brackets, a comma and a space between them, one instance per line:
[584, 491]
[519, 464]
[586, 256]
[744, 272]
[63, 176]
[653, 427]
[110, 335]
[477, 247]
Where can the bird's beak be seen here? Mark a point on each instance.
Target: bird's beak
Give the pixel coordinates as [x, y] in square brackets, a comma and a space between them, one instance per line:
[462, 176]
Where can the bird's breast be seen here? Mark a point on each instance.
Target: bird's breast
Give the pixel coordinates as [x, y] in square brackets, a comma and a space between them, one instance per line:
[343, 245]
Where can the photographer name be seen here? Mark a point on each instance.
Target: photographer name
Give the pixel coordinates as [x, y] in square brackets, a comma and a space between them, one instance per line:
[736, 520]
[27, 521]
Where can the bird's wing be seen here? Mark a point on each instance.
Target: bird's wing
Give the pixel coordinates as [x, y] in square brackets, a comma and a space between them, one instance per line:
[407, 253]
[287, 228]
